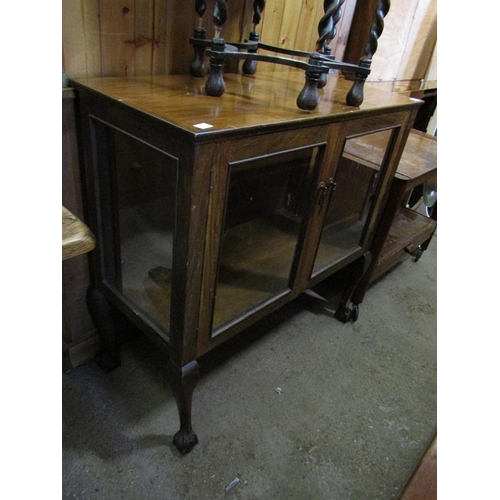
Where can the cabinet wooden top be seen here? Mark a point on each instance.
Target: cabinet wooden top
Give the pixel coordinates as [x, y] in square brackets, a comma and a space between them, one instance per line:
[265, 100]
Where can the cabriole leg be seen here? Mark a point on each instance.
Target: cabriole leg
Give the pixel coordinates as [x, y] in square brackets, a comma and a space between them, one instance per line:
[183, 380]
[106, 320]
[345, 312]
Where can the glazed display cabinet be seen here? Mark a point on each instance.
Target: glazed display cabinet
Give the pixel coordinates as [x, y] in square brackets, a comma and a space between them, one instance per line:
[210, 213]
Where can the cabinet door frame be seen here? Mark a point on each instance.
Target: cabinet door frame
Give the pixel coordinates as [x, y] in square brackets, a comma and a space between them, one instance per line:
[231, 152]
[400, 124]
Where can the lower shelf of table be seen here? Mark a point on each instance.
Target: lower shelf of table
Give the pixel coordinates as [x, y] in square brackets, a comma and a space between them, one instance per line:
[409, 230]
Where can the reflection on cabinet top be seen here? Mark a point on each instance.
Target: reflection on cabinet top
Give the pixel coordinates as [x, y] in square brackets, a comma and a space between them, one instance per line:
[267, 100]
[419, 155]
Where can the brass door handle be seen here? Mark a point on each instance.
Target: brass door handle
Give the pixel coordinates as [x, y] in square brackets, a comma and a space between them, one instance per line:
[324, 189]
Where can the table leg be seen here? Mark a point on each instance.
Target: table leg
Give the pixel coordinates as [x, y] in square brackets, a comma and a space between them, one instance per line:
[183, 380]
[346, 312]
[105, 318]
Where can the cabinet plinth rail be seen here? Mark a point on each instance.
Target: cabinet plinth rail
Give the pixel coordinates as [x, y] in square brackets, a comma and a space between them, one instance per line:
[316, 65]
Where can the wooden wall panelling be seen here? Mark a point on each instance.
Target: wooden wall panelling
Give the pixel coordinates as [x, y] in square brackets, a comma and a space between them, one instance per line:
[81, 38]
[405, 47]
[117, 37]
[307, 25]
[159, 49]
[431, 76]
[392, 44]
[270, 25]
[420, 42]
[143, 41]
[126, 37]
[135, 37]
[181, 19]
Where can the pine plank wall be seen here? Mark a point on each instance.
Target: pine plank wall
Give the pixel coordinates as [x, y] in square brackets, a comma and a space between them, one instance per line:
[127, 37]
[141, 37]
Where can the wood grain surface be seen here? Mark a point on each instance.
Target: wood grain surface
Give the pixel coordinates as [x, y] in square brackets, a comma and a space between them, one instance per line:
[264, 101]
[77, 238]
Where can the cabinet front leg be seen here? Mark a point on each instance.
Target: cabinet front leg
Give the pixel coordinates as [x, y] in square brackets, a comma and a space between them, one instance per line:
[105, 318]
[183, 380]
[345, 312]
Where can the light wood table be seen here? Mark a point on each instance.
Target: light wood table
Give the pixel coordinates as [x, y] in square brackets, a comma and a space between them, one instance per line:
[77, 238]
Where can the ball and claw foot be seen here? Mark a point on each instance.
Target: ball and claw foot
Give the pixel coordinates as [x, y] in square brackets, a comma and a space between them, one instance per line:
[185, 440]
[346, 314]
[108, 362]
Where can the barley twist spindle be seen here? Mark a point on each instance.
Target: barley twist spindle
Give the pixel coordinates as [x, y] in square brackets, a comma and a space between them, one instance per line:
[355, 96]
[198, 64]
[250, 67]
[200, 6]
[258, 7]
[219, 16]
[215, 86]
[376, 28]
[327, 29]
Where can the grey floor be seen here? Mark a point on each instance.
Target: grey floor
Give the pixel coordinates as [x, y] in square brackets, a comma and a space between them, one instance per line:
[307, 408]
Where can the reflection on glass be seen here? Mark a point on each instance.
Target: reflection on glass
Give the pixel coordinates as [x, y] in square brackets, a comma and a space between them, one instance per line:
[145, 181]
[263, 216]
[355, 185]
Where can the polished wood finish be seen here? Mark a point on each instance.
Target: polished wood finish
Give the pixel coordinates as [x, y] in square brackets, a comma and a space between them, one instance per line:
[77, 238]
[267, 104]
[253, 140]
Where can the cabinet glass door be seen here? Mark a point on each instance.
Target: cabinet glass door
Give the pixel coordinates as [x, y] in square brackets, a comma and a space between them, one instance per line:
[266, 200]
[352, 194]
[138, 191]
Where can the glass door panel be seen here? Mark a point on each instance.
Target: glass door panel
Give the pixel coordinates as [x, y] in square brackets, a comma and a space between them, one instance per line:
[355, 184]
[139, 222]
[265, 204]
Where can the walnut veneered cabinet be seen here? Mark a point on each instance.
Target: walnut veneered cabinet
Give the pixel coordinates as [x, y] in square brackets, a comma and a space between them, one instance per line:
[209, 213]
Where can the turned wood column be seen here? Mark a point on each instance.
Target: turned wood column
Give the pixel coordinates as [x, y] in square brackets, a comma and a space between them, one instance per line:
[355, 96]
[250, 67]
[327, 29]
[198, 64]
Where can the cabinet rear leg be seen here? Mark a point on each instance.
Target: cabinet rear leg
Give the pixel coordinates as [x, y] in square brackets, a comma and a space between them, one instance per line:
[345, 312]
[183, 380]
[105, 319]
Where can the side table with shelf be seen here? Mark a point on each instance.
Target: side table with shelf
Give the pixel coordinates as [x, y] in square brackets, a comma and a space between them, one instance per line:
[403, 231]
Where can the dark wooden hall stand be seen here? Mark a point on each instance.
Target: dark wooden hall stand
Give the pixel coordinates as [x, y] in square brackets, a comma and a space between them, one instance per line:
[210, 213]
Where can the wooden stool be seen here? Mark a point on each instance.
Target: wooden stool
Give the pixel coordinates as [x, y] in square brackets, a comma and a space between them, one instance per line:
[77, 238]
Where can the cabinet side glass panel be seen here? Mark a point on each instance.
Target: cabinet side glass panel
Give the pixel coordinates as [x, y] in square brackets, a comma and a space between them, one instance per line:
[266, 200]
[142, 185]
[353, 193]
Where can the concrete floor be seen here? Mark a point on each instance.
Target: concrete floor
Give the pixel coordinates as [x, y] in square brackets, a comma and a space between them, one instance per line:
[355, 409]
